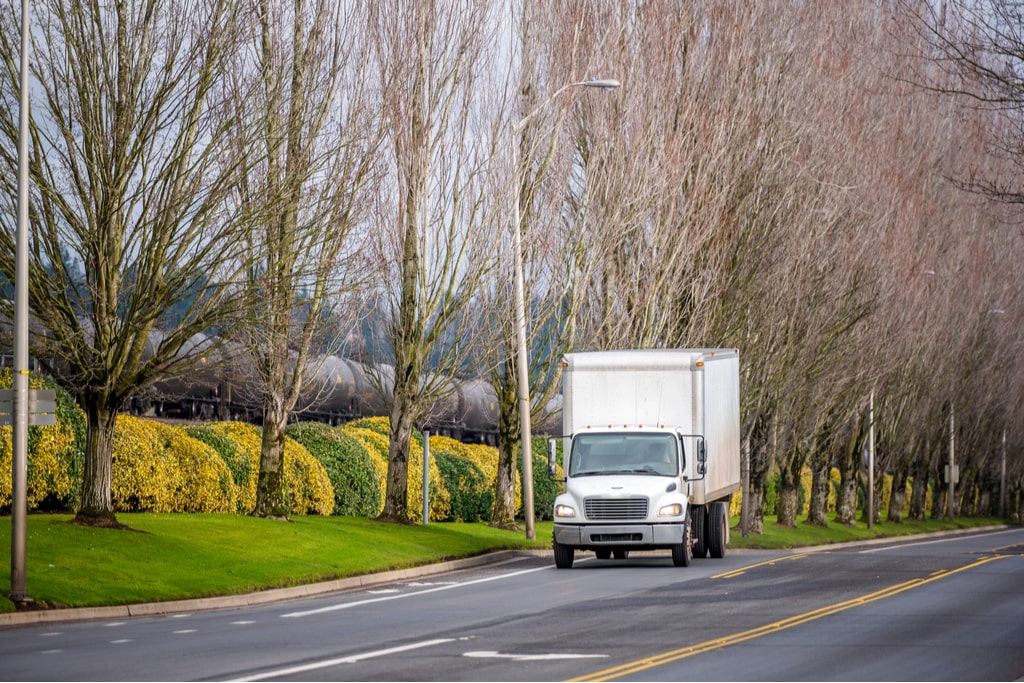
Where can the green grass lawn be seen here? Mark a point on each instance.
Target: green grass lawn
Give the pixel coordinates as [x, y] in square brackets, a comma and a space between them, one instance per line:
[177, 556]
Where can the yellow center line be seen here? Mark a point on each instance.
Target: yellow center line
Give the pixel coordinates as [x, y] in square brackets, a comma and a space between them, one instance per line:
[774, 627]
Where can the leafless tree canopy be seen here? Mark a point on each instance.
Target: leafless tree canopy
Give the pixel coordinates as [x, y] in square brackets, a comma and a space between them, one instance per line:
[833, 190]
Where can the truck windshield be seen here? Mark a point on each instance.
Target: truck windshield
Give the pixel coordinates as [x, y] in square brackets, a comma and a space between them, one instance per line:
[617, 453]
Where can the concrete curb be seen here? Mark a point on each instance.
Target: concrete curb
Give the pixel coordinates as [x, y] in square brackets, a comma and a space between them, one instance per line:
[44, 616]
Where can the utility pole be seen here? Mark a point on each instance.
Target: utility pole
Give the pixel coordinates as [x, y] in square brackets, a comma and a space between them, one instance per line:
[871, 461]
[952, 463]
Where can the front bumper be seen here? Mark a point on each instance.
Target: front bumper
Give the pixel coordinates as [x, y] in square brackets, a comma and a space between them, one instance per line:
[635, 536]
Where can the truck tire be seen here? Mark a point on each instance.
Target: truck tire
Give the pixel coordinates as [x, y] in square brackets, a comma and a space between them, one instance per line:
[699, 520]
[620, 554]
[718, 529]
[563, 556]
[603, 554]
[682, 553]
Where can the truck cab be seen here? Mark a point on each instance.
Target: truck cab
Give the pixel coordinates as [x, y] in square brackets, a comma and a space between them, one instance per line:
[626, 489]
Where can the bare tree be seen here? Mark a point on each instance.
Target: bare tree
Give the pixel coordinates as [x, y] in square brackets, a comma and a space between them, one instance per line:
[433, 243]
[306, 99]
[130, 168]
[978, 50]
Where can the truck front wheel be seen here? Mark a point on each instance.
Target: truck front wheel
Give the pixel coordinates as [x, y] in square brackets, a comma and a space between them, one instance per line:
[563, 556]
[682, 553]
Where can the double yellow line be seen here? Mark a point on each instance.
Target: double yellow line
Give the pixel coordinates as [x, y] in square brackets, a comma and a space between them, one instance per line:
[774, 627]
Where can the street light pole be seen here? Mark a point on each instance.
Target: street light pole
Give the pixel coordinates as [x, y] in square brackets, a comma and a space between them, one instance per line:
[523, 375]
[19, 423]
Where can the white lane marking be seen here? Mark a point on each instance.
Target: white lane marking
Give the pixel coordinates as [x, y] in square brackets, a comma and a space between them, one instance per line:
[121, 641]
[115, 623]
[527, 658]
[242, 623]
[49, 634]
[184, 631]
[347, 605]
[418, 584]
[352, 659]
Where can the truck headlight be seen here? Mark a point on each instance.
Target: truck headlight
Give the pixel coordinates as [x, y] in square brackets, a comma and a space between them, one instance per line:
[673, 510]
[563, 511]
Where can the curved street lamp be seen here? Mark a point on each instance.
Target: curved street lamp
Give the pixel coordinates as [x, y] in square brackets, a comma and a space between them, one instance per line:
[520, 304]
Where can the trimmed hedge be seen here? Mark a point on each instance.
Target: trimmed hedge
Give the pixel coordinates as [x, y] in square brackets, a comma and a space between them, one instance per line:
[349, 467]
[214, 467]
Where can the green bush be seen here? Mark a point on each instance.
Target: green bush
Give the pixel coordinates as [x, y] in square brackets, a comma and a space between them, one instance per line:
[349, 467]
[472, 495]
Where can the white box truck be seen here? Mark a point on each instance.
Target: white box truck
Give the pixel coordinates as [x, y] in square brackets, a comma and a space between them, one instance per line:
[651, 453]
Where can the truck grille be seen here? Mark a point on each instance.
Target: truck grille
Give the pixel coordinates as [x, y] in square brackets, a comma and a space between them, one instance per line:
[615, 508]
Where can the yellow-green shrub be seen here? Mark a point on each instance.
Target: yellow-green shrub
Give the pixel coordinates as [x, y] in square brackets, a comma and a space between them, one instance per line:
[376, 446]
[55, 453]
[159, 468]
[240, 444]
[470, 491]
[309, 488]
[486, 458]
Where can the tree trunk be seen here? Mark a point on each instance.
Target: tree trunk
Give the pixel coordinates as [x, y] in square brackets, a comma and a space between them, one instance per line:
[271, 489]
[504, 514]
[97, 506]
[846, 506]
[789, 490]
[755, 510]
[939, 505]
[817, 512]
[848, 461]
[898, 496]
[396, 497]
[918, 496]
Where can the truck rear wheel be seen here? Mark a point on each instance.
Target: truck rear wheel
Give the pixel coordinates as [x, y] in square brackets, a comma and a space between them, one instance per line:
[699, 520]
[718, 529]
[563, 556]
[682, 553]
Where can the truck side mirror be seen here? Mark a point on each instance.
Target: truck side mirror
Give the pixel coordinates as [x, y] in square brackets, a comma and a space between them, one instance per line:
[702, 458]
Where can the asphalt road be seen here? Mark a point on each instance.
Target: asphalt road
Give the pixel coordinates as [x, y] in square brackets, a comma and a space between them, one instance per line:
[937, 609]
